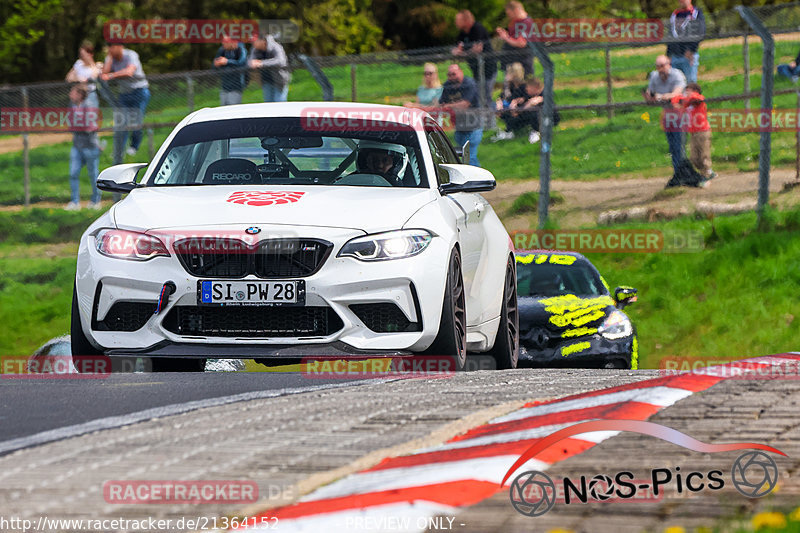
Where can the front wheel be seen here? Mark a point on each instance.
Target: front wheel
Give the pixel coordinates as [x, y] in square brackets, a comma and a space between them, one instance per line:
[506, 344]
[452, 337]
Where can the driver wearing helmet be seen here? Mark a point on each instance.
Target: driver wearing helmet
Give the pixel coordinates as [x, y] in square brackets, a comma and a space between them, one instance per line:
[384, 159]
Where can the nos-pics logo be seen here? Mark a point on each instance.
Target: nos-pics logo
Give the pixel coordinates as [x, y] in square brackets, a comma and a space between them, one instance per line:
[533, 493]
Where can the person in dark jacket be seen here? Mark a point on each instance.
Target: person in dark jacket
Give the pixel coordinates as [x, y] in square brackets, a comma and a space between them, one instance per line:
[268, 56]
[231, 59]
[688, 27]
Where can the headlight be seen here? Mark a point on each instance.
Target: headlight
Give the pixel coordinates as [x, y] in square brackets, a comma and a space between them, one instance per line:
[122, 244]
[616, 326]
[389, 245]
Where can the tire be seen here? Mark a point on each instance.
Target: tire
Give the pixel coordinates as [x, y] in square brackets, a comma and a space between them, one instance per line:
[452, 337]
[506, 344]
[175, 364]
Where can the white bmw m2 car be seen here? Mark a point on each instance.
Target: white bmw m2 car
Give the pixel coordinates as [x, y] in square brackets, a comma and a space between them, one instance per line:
[269, 231]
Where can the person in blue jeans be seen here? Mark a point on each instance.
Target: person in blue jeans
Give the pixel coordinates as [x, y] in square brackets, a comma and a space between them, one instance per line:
[268, 56]
[85, 149]
[124, 67]
[688, 28]
[460, 95]
[790, 70]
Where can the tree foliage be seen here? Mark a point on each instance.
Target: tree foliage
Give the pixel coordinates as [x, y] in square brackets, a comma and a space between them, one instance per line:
[39, 38]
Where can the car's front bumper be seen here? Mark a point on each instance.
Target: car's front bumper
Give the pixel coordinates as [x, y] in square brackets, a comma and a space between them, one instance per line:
[576, 352]
[415, 285]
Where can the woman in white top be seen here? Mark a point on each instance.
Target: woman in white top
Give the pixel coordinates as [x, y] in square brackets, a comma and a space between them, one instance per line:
[86, 70]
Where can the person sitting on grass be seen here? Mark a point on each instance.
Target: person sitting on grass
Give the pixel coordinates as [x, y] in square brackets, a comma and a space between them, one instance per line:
[791, 69]
[513, 91]
[526, 110]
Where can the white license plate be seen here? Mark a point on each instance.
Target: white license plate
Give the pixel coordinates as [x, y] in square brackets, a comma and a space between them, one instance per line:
[251, 292]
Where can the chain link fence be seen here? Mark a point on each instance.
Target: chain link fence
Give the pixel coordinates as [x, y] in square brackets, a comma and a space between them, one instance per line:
[606, 128]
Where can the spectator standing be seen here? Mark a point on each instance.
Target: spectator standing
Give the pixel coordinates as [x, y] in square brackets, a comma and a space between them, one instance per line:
[430, 91]
[231, 59]
[513, 91]
[791, 70]
[693, 104]
[460, 94]
[86, 70]
[515, 44]
[123, 66]
[85, 149]
[688, 24]
[473, 40]
[666, 83]
[269, 57]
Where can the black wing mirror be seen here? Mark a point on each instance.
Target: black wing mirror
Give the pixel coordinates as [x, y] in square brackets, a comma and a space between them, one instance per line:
[624, 296]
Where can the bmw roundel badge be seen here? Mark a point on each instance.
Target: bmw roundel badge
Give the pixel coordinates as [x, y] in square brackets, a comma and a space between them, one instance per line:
[252, 230]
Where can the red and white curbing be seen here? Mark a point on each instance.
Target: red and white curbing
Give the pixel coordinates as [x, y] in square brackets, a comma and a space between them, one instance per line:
[402, 493]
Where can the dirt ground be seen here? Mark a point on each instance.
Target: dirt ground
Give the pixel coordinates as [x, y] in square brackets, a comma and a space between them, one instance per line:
[584, 201]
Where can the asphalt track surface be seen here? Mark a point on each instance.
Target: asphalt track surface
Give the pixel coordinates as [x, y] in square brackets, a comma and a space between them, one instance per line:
[32, 406]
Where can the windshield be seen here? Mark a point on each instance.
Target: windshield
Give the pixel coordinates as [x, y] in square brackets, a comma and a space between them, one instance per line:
[279, 151]
[550, 279]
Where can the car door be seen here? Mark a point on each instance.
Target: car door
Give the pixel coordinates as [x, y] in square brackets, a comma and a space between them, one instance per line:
[469, 209]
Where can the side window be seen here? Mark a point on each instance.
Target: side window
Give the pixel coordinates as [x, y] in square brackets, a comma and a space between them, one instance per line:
[438, 158]
[441, 151]
[449, 154]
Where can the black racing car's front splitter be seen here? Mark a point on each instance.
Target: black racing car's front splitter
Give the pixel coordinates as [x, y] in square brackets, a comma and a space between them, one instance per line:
[250, 351]
[594, 351]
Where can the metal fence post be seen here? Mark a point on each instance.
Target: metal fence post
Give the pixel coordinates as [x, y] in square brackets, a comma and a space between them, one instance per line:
[319, 76]
[151, 146]
[546, 125]
[190, 92]
[746, 54]
[767, 66]
[353, 83]
[26, 155]
[609, 87]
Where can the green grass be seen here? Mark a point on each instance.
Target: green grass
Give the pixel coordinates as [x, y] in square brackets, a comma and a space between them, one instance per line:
[528, 202]
[734, 299]
[35, 295]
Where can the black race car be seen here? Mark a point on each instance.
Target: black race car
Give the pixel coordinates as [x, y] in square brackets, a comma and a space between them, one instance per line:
[567, 316]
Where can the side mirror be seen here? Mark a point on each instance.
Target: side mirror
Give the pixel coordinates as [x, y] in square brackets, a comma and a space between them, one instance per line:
[465, 153]
[624, 296]
[466, 178]
[119, 178]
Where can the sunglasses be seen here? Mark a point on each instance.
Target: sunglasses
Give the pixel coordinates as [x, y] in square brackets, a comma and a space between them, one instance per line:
[659, 65]
[431, 73]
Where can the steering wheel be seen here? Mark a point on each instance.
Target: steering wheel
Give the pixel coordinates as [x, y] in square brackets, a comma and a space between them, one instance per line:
[363, 179]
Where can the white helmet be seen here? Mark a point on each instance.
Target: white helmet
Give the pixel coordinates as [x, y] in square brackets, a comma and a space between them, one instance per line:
[397, 152]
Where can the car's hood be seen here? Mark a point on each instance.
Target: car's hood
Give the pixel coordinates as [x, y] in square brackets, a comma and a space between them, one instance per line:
[562, 313]
[369, 209]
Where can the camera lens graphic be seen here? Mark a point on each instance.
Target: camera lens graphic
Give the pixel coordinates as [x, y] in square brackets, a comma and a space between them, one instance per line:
[532, 493]
[754, 474]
